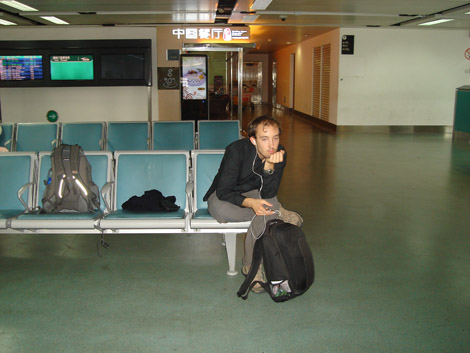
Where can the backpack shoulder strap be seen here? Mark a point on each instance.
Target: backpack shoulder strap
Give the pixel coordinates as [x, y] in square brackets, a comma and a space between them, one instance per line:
[255, 264]
[58, 166]
[74, 157]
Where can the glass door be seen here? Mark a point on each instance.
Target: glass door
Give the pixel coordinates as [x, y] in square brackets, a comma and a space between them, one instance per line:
[225, 80]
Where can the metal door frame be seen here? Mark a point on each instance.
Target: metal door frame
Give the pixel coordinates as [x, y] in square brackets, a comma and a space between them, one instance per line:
[190, 48]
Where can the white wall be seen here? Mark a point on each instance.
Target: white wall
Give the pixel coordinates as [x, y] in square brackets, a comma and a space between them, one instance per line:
[402, 76]
[80, 103]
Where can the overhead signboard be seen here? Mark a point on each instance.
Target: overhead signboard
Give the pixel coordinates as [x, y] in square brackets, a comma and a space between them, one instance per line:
[212, 34]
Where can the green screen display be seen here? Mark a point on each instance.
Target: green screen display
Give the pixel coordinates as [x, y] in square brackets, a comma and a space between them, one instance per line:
[72, 67]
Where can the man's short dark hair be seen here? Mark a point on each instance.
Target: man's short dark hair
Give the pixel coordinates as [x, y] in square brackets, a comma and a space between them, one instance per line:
[264, 120]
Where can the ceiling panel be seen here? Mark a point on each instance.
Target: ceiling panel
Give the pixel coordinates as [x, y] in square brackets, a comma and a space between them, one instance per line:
[422, 7]
[281, 22]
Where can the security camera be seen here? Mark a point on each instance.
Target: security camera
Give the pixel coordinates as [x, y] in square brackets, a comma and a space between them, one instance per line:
[283, 17]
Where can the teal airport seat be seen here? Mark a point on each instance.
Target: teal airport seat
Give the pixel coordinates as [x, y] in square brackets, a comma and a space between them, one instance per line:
[205, 167]
[90, 136]
[6, 137]
[217, 134]
[36, 137]
[173, 135]
[17, 173]
[101, 163]
[140, 171]
[122, 136]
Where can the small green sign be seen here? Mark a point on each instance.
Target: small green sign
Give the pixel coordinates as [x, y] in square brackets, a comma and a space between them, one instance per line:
[52, 116]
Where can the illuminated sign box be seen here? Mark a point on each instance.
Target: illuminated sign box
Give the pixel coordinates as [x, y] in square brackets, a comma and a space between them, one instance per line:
[222, 34]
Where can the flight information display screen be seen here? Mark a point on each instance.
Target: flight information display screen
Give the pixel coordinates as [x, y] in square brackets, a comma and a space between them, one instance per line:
[72, 67]
[21, 67]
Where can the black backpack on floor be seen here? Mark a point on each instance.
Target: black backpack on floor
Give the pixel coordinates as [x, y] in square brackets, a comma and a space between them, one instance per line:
[69, 187]
[287, 261]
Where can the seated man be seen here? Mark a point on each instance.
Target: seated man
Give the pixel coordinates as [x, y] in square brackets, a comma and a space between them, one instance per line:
[246, 185]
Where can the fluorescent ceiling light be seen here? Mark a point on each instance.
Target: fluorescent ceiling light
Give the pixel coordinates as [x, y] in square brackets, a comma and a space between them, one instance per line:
[55, 20]
[7, 23]
[17, 5]
[250, 18]
[467, 13]
[260, 4]
[435, 22]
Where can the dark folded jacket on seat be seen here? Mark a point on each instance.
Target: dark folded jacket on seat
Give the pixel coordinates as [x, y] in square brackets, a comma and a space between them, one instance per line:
[151, 201]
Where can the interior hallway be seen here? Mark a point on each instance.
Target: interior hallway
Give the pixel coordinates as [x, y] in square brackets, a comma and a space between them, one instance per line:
[387, 220]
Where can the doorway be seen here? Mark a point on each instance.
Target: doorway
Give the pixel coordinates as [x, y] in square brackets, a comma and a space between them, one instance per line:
[225, 80]
[292, 81]
[274, 86]
[253, 81]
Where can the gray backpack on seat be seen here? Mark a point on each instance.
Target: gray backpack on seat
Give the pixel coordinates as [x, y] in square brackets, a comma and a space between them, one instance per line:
[69, 187]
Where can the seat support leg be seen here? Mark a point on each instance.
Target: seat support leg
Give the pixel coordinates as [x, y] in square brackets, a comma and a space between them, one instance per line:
[231, 247]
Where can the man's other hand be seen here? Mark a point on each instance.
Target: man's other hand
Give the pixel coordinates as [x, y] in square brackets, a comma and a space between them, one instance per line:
[259, 206]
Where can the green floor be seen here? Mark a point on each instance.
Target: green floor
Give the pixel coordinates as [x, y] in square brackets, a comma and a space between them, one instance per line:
[387, 217]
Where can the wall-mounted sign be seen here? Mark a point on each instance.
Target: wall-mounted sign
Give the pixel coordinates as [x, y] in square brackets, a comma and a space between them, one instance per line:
[347, 45]
[173, 54]
[467, 54]
[168, 77]
[224, 34]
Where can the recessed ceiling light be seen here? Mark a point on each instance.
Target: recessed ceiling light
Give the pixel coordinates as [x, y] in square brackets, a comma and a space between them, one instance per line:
[55, 20]
[17, 5]
[7, 23]
[260, 4]
[435, 22]
[288, 42]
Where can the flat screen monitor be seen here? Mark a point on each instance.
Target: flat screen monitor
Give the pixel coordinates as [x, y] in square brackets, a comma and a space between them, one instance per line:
[194, 76]
[21, 68]
[71, 67]
[122, 67]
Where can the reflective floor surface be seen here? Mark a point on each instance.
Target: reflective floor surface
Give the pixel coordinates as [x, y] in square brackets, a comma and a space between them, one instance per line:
[386, 217]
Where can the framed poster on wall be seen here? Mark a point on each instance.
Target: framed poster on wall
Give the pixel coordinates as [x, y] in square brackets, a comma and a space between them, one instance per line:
[194, 84]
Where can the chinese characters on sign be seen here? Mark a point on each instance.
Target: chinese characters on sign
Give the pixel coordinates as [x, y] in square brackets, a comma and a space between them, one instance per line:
[226, 34]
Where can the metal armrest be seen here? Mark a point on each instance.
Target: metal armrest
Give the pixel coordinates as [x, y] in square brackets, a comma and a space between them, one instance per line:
[21, 191]
[106, 192]
[7, 142]
[189, 195]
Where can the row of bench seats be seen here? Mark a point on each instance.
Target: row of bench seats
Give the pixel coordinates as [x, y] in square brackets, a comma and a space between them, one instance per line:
[186, 175]
[117, 136]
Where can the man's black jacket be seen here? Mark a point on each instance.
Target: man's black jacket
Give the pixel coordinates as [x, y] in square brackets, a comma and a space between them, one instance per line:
[236, 176]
